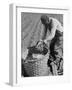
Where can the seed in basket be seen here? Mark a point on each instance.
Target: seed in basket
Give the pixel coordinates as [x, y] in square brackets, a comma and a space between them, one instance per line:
[38, 56]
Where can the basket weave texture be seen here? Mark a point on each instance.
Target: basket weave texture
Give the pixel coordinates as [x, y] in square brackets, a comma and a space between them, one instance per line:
[37, 67]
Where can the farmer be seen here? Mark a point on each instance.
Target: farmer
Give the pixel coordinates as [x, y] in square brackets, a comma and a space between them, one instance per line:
[52, 32]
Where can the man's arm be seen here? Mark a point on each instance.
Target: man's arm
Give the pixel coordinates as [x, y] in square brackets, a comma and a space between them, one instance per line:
[52, 33]
[56, 25]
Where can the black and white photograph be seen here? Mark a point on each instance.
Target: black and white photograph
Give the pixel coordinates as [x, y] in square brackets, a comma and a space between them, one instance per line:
[41, 44]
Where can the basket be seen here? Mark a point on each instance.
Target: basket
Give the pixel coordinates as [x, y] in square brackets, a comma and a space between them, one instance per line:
[36, 67]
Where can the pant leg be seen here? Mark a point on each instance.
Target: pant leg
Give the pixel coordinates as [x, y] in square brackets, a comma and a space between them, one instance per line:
[56, 42]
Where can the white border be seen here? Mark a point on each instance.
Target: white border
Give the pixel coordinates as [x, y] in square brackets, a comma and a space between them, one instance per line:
[17, 79]
[12, 45]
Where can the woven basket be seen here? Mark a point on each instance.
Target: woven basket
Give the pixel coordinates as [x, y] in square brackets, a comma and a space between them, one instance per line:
[37, 67]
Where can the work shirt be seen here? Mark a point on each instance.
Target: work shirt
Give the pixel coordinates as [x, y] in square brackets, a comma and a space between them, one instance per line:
[54, 25]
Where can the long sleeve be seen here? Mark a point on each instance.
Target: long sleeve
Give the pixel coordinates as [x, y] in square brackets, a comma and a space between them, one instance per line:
[50, 34]
[55, 25]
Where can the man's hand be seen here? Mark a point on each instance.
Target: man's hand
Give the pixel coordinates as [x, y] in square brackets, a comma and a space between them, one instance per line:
[45, 41]
[40, 45]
